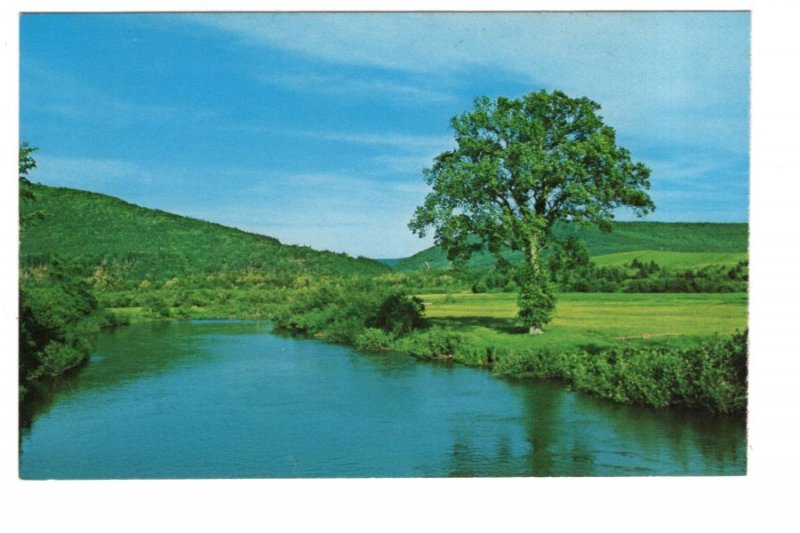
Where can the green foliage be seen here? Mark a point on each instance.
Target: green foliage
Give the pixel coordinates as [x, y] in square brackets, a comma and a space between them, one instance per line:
[340, 310]
[435, 343]
[567, 263]
[670, 244]
[480, 287]
[58, 316]
[536, 300]
[26, 161]
[138, 244]
[374, 340]
[156, 307]
[398, 314]
[519, 168]
[26, 195]
[711, 376]
[570, 270]
[522, 165]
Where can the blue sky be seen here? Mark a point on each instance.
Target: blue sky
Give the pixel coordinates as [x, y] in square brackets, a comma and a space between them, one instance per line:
[314, 128]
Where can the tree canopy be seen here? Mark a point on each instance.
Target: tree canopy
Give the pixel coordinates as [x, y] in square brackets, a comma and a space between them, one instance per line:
[521, 165]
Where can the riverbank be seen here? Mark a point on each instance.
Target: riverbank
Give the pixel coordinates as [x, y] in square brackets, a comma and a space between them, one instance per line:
[230, 399]
[656, 350]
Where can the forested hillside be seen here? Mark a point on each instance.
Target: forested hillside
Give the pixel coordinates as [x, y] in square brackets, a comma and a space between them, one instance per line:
[127, 244]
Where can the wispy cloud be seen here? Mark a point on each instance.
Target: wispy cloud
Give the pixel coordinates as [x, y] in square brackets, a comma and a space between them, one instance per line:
[691, 171]
[50, 90]
[646, 68]
[385, 41]
[71, 98]
[365, 87]
[341, 211]
[394, 140]
[89, 173]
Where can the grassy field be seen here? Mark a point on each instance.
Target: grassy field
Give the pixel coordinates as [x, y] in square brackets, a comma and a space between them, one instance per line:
[594, 319]
[678, 260]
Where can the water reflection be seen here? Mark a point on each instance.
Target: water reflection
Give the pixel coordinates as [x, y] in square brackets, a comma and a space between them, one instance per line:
[229, 399]
[573, 434]
[127, 354]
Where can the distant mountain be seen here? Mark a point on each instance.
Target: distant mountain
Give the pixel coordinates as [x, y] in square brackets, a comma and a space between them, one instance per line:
[146, 244]
[631, 237]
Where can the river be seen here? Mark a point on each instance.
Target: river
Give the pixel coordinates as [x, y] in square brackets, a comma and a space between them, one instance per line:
[227, 399]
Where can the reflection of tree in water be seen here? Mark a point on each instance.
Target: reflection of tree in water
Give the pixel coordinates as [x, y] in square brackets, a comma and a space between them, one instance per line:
[469, 460]
[700, 443]
[573, 434]
[558, 446]
[41, 395]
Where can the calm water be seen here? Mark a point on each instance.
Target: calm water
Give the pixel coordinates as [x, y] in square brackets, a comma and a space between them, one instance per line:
[231, 400]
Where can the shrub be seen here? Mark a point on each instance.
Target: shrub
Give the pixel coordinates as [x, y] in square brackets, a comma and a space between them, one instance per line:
[711, 376]
[435, 343]
[57, 358]
[398, 314]
[479, 287]
[374, 340]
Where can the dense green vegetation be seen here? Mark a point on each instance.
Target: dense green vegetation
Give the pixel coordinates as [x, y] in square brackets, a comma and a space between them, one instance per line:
[570, 267]
[711, 375]
[58, 317]
[520, 166]
[643, 349]
[58, 314]
[149, 265]
[89, 261]
[638, 238]
[127, 244]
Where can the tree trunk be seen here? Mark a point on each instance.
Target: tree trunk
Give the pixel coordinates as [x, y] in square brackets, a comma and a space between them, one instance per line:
[532, 252]
[532, 258]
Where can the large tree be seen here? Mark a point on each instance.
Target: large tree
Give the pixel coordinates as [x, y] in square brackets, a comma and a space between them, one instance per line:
[520, 166]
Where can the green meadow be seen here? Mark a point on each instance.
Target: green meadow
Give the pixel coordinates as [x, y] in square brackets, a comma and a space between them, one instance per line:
[672, 259]
[599, 319]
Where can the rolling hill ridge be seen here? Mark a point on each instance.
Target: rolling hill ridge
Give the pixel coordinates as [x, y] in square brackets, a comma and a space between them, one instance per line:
[681, 244]
[137, 243]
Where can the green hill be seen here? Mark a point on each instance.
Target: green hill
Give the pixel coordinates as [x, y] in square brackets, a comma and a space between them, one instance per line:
[678, 260]
[630, 238]
[132, 243]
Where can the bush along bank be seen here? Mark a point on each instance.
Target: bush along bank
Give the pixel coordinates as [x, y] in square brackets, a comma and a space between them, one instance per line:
[58, 318]
[374, 317]
[711, 376]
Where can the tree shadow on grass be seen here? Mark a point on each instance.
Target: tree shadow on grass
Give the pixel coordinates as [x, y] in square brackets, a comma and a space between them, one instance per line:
[505, 325]
[509, 325]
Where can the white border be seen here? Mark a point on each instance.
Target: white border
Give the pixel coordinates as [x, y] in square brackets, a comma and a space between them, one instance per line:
[764, 500]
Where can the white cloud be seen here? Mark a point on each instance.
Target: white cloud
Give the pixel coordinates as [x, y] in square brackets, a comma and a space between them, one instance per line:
[394, 140]
[370, 88]
[644, 67]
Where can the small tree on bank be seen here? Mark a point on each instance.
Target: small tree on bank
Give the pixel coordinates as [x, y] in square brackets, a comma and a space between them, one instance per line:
[520, 166]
